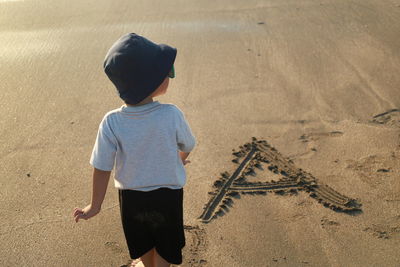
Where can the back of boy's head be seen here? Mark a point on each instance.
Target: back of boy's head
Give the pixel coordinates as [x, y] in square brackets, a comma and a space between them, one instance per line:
[137, 66]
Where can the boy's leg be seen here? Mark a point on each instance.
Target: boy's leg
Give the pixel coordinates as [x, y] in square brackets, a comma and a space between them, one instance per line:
[170, 238]
[159, 261]
[147, 260]
[136, 263]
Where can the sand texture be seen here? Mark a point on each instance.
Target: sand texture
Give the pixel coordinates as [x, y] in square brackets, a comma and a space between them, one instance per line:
[315, 82]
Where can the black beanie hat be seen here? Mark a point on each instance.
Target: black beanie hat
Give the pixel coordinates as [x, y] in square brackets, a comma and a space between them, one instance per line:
[137, 66]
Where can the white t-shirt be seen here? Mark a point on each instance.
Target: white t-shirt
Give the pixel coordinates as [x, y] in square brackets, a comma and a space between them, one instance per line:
[143, 144]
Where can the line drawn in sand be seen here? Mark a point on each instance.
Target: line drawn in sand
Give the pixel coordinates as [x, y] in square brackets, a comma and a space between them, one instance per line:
[390, 117]
[292, 179]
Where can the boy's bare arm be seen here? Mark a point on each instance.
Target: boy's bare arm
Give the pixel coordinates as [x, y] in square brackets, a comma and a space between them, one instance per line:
[99, 189]
[100, 183]
[184, 156]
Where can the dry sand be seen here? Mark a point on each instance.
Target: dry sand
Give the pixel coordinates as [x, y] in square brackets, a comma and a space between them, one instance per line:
[307, 76]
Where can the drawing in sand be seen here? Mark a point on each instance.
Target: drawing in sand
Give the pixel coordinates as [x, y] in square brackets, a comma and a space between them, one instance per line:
[292, 179]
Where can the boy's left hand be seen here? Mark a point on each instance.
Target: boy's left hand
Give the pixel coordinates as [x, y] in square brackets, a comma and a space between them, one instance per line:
[86, 213]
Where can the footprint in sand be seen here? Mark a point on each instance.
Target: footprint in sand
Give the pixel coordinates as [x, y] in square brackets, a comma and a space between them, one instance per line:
[328, 224]
[375, 170]
[196, 245]
[316, 136]
[310, 139]
[393, 198]
[387, 229]
[114, 246]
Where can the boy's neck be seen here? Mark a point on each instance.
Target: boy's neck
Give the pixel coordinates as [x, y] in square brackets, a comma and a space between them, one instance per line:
[145, 101]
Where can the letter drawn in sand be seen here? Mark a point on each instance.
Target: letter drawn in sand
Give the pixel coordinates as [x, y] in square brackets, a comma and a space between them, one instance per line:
[250, 158]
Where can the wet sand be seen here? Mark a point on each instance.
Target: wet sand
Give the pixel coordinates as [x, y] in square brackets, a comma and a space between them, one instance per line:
[318, 80]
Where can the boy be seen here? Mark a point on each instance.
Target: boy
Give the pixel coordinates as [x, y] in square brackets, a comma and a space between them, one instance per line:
[148, 142]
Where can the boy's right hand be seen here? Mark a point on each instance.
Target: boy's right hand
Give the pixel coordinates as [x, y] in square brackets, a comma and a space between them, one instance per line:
[183, 156]
[86, 213]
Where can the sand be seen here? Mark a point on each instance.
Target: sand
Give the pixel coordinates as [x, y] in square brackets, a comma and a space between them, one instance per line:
[317, 80]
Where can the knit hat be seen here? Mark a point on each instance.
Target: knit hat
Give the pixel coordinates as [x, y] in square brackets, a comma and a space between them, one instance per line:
[137, 66]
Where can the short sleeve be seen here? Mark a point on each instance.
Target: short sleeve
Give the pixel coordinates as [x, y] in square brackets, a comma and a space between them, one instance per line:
[184, 135]
[104, 150]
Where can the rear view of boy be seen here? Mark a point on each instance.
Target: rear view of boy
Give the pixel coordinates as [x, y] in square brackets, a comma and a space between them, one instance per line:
[148, 144]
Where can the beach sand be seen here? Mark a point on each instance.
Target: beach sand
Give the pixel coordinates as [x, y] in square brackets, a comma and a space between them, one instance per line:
[318, 80]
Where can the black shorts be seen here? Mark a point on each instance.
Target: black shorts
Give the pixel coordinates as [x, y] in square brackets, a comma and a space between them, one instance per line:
[153, 219]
